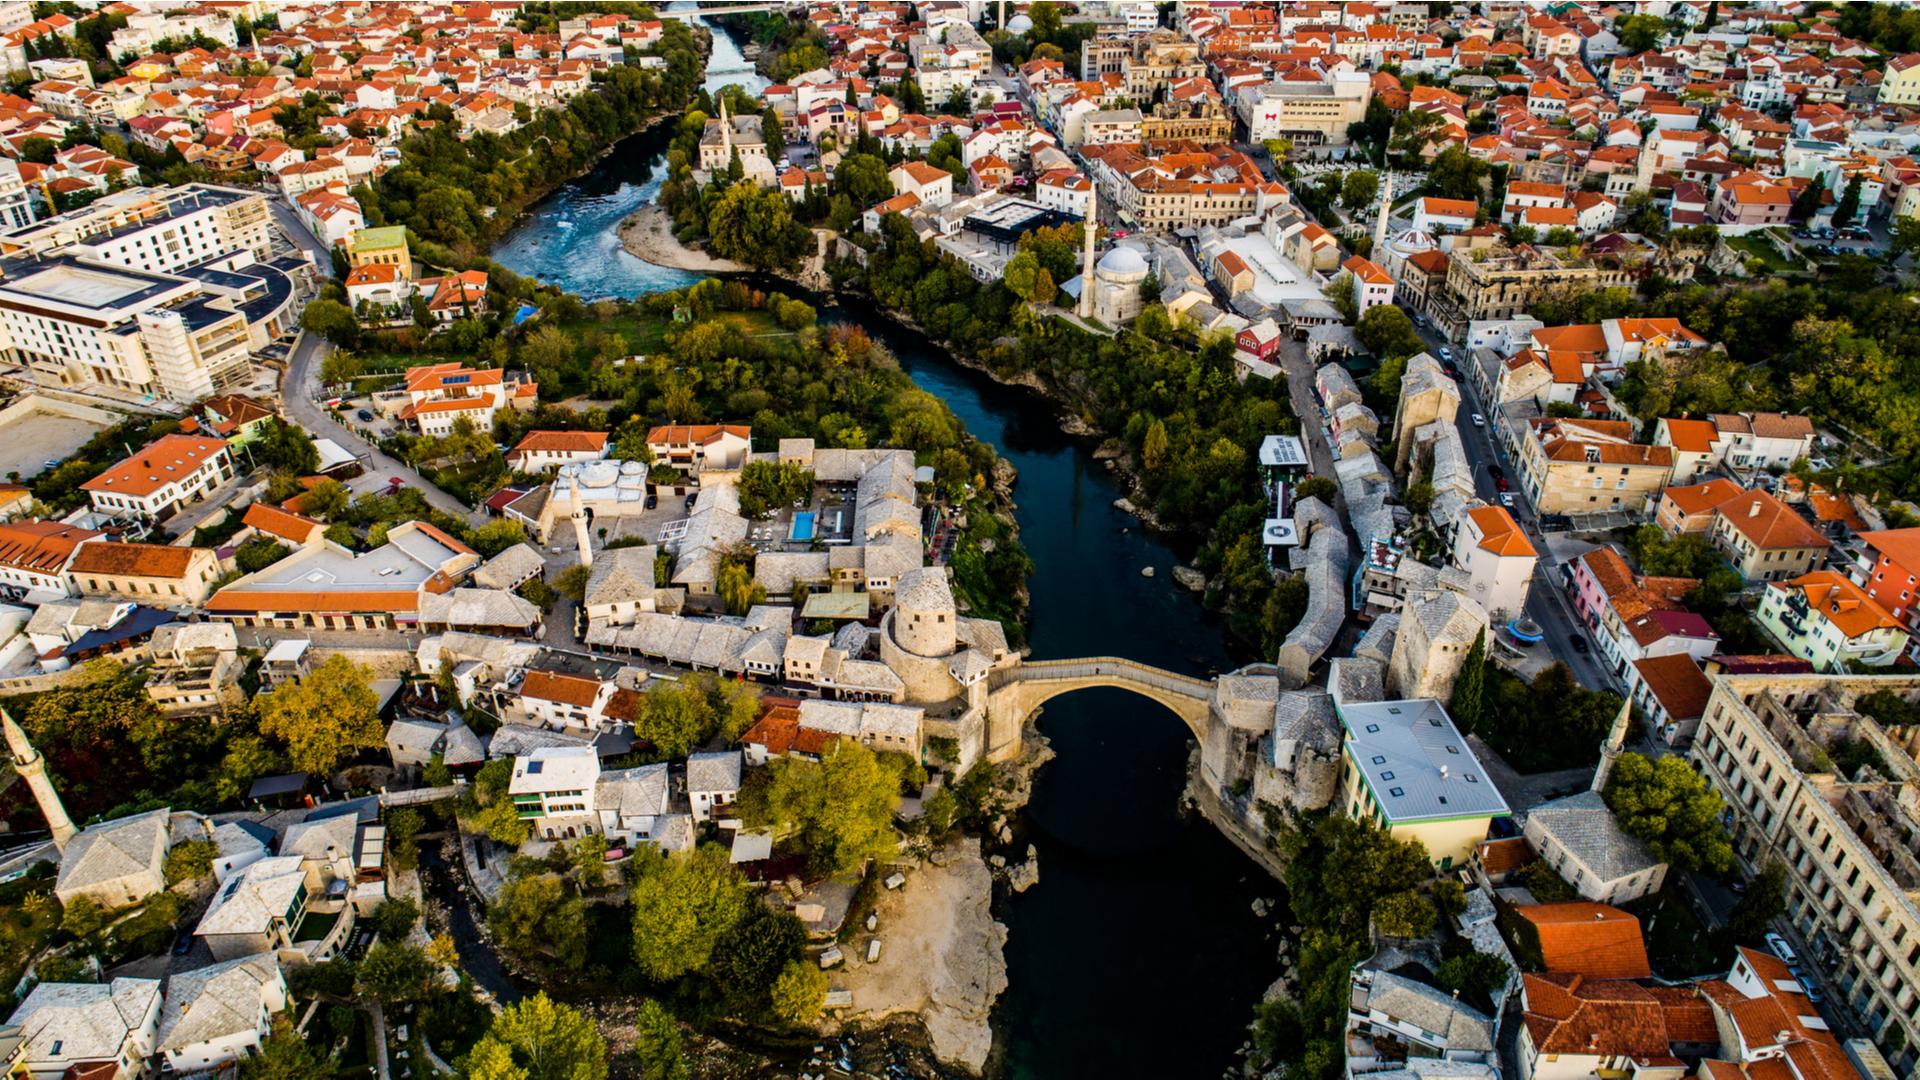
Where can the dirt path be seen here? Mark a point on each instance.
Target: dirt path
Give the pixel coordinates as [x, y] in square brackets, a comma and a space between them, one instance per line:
[942, 955]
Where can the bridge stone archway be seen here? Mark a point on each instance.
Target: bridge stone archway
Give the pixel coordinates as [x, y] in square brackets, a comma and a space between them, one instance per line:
[1013, 695]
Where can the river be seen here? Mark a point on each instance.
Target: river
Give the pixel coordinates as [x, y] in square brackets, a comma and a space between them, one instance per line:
[1138, 954]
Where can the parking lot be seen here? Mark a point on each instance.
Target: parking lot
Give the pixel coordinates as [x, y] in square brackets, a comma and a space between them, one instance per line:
[29, 443]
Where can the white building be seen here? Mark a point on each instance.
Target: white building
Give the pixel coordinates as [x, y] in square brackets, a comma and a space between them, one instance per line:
[65, 1026]
[1494, 551]
[219, 1014]
[161, 477]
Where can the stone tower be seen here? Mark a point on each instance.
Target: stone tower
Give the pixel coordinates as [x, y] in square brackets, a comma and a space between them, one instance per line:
[579, 515]
[1089, 227]
[926, 621]
[1610, 751]
[33, 768]
[1437, 629]
[726, 131]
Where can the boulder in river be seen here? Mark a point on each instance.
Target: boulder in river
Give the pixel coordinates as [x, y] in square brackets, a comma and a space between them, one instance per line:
[1189, 578]
[1146, 571]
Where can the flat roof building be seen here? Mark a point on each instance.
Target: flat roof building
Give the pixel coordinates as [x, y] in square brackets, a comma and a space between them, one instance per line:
[1409, 770]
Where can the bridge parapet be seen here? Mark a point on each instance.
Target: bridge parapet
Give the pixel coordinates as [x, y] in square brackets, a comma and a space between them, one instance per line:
[1105, 667]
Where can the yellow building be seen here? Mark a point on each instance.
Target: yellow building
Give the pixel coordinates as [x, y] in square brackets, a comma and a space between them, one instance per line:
[1407, 769]
[1901, 84]
[156, 575]
[384, 246]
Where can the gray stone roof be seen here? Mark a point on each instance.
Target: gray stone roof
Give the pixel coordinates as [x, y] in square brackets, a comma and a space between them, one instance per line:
[225, 1000]
[718, 771]
[1462, 1027]
[513, 740]
[1589, 832]
[115, 849]
[88, 1021]
[639, 792]
[925, 589]
[250, 900]
[1306, 717]
[478, 608]
[621, 575]
[509, 568]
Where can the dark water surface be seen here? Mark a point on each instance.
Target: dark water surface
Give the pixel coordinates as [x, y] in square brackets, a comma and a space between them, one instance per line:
[1137, 955]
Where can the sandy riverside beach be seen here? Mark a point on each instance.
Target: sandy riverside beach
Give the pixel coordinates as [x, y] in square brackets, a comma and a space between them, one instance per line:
[942, 955]
[647, 234]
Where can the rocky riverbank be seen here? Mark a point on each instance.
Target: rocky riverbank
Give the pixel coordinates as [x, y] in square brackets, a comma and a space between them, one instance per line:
[942, 955]
[647, 235]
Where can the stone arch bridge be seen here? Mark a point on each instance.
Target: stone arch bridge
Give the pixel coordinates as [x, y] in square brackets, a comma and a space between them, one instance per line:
[1014, 694]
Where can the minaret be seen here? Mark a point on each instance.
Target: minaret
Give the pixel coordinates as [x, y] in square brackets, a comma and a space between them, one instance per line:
[33, 768]
[726, 132]
[1379, 254]
[579, 515]
[1610, 752]
[1089, 226]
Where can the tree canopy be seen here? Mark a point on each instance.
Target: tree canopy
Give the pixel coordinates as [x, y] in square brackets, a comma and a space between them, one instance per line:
[325, 717]
[1671, 807]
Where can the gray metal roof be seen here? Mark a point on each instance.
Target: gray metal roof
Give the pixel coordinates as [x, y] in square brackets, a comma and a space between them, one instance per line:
[1416, 762]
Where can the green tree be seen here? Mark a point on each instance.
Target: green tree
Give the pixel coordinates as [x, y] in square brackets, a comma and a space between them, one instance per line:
[1360, 188]
[1468, 702]
[190, 861]
[658, 1043]
[259, 553]
[1668, 805]
[496, 536]
[325, 500]
[487, 809]
[403, 828]
[1811, 198]
[394, 973]
[766, 486]
[1404, 914]
[774, 134]
[863, 179]
[538, 1038]
[1476, 974]
[332, 320]
[534, 915]
[284, 1055]
[676, 717]
[1849, 205]
[572, 582]
[1456, 174]
[83, 917]
[1153, 448]
[1638, 33]
[1387, 332]
[684, 903]
[841, 807]
[800, 993]
[324, 717]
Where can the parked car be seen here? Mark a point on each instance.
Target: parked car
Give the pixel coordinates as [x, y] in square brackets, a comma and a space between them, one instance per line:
[365, 416]
[1580, 645]
[653, 501]
[1778, 946]
[1446, 353]
[1500, 483]
[1479, 421]
[1496, 472]
[1506, 499]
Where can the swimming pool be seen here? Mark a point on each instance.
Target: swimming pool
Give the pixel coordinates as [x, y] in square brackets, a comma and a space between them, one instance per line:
[802, 526]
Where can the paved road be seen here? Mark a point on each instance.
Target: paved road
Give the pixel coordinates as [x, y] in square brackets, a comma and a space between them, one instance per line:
[302, 383]
[1547, 601]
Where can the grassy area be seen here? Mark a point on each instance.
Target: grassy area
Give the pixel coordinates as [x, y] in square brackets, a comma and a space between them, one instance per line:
[1678, 944]
[1755, 246]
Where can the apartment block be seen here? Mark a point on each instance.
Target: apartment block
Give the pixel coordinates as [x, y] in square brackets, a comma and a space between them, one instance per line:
[1768, 745]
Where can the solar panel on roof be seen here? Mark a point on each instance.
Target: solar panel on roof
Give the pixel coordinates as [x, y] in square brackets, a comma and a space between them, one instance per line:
[534, 766]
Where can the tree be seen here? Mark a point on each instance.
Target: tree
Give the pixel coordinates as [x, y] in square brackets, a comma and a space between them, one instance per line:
[1474, 973]
[1404, 915]
[538, 1038]
[1456, 174]
[259, 553]
[862, 178]
[1849, 205]
[332, 320]
[534, 916]
[572, 582]
[684, 902]
[1638, 33]
[83, 917]
[1904, 238]
[190, 861]
[1668, 805]
[1765, 901]
[284, 1055]
[1153, 448]
[675, 717]
[1360, 188]
[774, 134]
[325, 500]
[496, 536]
[403, 828]
[1811, 198]
[1469, 690]
[394, 919]
[394, 973]
[1387, 332]
[324, 717]
[800, 993]
[658, 1044]
[1317, 487]
[841, 807]
[766, 486]
[748, 960]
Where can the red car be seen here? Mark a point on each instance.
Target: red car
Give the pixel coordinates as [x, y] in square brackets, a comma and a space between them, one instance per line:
[1500, 482]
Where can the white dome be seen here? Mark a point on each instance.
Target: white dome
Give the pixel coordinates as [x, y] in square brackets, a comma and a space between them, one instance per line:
[1412, 242]
[1019, 24]
[632, 468]
[599, 474]
[1123, 260]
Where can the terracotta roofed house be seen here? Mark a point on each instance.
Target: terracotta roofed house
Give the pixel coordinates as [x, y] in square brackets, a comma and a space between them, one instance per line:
[1595, 940]
[1689, 508]
[1672, 692]
[266, 519]
[701, 447]
[1765, 539]
[543, 450]
[34, 557]
[161, 477]
[327, 586]
[158, 575]
[1830, 622]
[1892, 574]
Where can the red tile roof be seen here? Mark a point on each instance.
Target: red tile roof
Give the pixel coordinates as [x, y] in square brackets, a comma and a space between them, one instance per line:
[1594, 940]
[158, 464]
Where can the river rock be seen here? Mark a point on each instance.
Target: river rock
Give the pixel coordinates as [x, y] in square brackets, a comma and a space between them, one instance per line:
[1189, 578]
[1260, 907]
[1006, 834]
[1125, 506]
[1109, 450]
[1146, 571]
[1024, 876]
[997, 861]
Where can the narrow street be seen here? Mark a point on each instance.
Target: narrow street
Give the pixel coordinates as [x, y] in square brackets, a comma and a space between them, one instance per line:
[302, 383]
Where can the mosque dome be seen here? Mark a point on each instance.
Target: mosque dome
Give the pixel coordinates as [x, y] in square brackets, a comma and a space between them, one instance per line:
[1122, 261]
[1019, 24]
